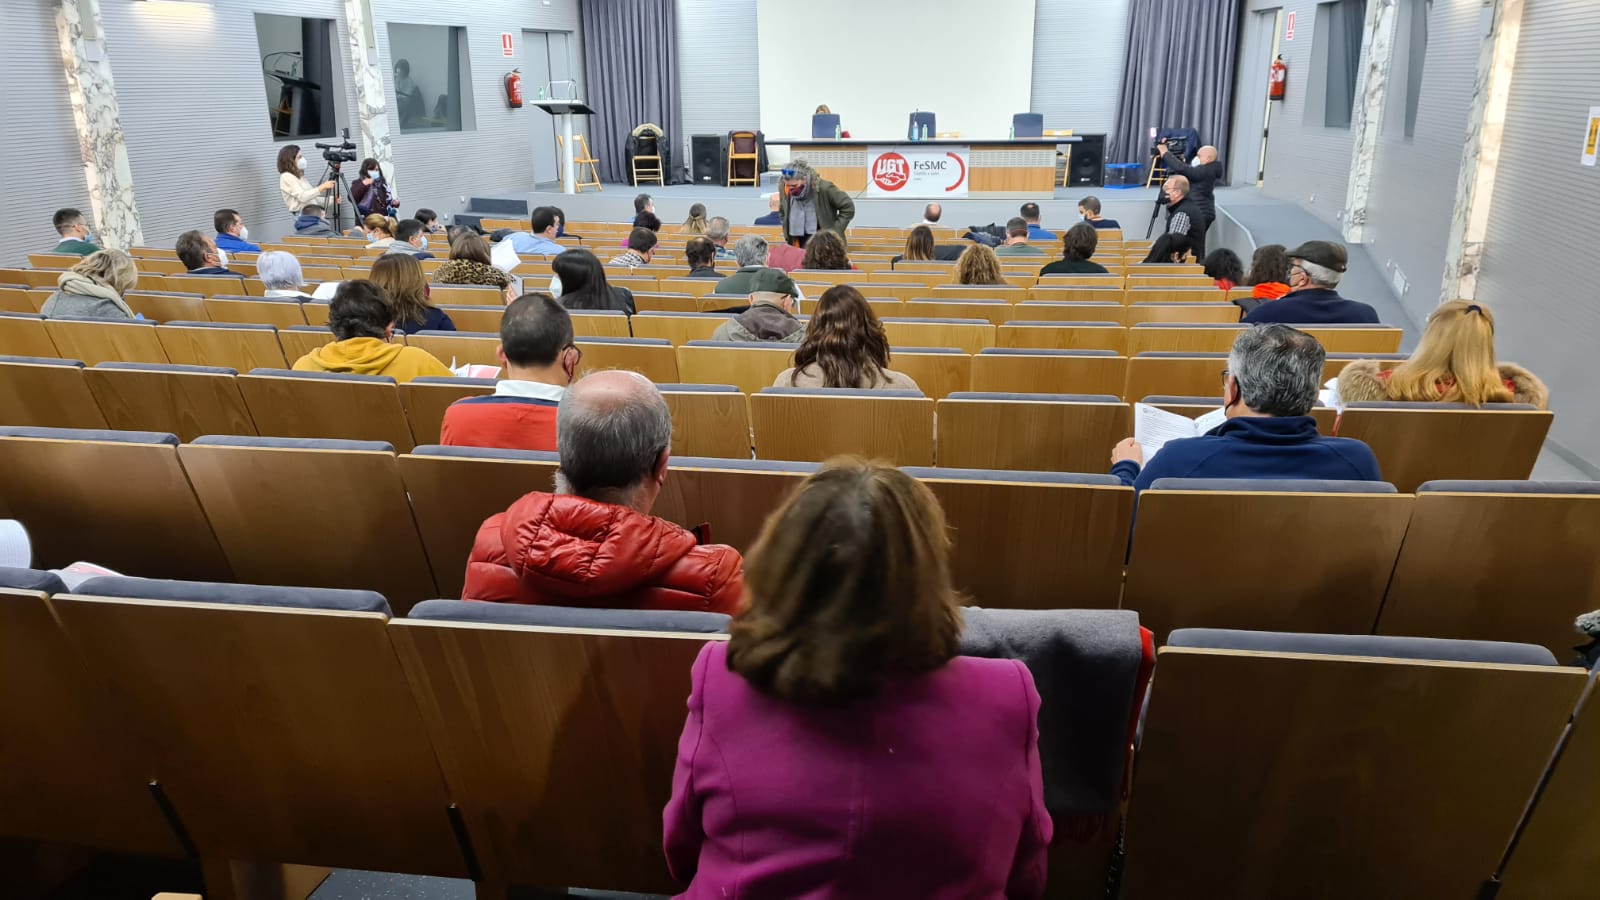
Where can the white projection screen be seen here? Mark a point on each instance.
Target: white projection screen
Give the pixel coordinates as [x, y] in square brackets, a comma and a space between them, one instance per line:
[875, 61]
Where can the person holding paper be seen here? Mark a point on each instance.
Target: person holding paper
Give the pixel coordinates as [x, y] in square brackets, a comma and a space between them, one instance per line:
[1268, 390]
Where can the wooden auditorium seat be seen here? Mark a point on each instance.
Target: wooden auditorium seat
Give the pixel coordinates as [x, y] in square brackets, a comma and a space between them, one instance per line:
[482, 319]
[1007, 292]
[747, 366]
[969, 335]
[995, 312]
[1368, 340]
[206, 285]
[938, 371]
[1034, 540]
[24, 334]
[18, 299]
[466, 295]
[1418, 442]
[1319, 554]
[1047, 335]
[1181, 313]
[677, 328]
[1035, 432]
[1112, 312]
[425, 400]
[1177, 373]
[732, 496]
[596, 323]
[282, 510]
[119, 499]
[681, 303]
[291, 404]
[711, 420]
[278, 312]
[1148, 337]
[46, 392]
[1501, 560]
[1028, 371]
[106, 340]
[457, 348]
[814, 424]
[656, 360]
[1302, 760]
[299, 340]
[188, 401]
[168, 307]
[240, 347]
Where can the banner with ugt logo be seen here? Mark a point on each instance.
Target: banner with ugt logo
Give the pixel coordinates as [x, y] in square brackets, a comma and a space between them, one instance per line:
[917, 172]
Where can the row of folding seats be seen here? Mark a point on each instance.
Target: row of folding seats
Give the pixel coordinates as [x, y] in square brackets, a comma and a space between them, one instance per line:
[539, 751]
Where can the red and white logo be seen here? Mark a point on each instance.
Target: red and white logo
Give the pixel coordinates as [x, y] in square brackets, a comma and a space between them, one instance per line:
[891, 172]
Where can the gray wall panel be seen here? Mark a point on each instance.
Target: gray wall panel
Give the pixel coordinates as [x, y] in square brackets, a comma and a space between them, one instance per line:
[717, 52]
[1078, 48]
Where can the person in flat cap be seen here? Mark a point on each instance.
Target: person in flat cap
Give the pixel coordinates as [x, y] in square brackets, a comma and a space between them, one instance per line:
[1315, 268]
[771, 313]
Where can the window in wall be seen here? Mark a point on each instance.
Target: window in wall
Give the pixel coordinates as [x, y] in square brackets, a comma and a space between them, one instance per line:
[298, 65]
[432, 78]
[1339, 29]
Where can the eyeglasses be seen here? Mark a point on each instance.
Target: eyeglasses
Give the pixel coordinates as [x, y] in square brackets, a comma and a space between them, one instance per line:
[576, 349]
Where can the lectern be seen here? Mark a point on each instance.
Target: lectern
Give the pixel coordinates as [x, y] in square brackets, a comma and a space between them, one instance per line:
[565, 110]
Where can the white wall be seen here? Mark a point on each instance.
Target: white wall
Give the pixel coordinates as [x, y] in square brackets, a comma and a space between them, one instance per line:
[1078, 49]
[717, 54]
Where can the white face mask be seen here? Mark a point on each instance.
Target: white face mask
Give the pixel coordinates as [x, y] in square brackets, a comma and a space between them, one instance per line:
[424, 242]
[222, 258]
[244, 233]
[369, 174]
[300, 163]
[555, 286]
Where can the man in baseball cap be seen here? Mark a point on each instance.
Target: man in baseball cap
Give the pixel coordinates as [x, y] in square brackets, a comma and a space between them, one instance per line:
[771, 313]
[1315, 268]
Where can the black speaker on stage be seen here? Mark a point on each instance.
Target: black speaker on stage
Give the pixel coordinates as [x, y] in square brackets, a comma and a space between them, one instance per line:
[1088, 162]
[708, 158]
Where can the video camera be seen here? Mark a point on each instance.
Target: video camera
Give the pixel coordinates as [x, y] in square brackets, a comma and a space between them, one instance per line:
[1177, 145]
[344, 151]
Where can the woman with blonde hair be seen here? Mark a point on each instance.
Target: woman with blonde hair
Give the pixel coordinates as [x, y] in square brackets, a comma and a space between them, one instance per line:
[979, 265]
[838, 699]
[93, 288]
[697, 223]
[380, 229]
[1453, 363]
[844, 347]
[402, 281]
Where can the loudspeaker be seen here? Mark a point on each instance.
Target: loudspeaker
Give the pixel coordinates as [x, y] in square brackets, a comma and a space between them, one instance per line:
[708, 158]
[1088, 162]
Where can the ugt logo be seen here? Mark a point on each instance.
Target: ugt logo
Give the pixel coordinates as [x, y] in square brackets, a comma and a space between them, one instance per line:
[891, 172]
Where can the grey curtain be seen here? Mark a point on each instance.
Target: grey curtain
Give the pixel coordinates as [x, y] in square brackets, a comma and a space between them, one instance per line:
[1346, 19]
[1178, 73]
[630, 50]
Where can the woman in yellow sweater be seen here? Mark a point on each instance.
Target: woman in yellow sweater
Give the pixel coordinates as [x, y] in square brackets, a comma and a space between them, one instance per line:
[363, 321]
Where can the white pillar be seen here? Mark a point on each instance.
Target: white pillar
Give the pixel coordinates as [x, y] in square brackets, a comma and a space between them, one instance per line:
[371, 102]
[95, 116]
[1480, 153]
[1372, 90]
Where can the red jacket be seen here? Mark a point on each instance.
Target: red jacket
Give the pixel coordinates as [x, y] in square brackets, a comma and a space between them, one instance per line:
[571, 551]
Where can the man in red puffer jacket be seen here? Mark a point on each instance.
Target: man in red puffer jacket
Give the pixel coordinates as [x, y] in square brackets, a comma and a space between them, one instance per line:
[593, 542]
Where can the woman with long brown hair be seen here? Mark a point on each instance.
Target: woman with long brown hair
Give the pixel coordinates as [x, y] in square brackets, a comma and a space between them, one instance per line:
[402, 280]
[844, 347]
[292, 185]
[979, 265]
[469, 264]
[919, 245]
[826, 250]
[815, 731]
[1453, 363]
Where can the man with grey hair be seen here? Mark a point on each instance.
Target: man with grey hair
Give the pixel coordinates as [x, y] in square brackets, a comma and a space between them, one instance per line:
[717, 233]
[1268, 390]
[1315, 269]
[593, 542]
[1202, 175]
[280, 274]
[1184, 215]
[751, 252]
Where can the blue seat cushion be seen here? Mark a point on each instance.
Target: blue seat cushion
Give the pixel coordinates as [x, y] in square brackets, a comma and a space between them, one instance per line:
[698, 388]
[924, 472]
[1381, 646]
[1235, 326]
[1175, 400]
[288, 443]
[31, 580]
[953, 351]
[1036, 398]
[1273, 485]
[1036, 351]
[1509, 487]
[323, 376]
[185, 323]
[168, 367]
[1041, 323]
[89, 434]
[486, 453]
[842, 392]
[571, 617]
[1178, 354]
[630, 341]
[933, 320]
[426, 332]
[41, 361]
[233, 594]
[763, 345]
[742, 465]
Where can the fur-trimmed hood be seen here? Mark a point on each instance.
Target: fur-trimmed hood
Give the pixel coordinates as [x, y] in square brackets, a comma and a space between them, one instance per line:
[1359, 382]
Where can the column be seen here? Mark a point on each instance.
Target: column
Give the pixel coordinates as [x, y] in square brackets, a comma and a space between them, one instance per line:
[1480, 154]
[371, 104]
[1372, 89]
[95, 117]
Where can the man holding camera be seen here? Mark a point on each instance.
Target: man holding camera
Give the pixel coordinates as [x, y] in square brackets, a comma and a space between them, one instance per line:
[1202, 176]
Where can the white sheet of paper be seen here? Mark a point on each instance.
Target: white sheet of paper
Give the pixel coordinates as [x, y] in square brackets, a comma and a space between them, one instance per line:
[1153, 427]
[325, 290]
[1329, 395]
[504, 257]
[1210, 420]
[79, 572]
[16, 550]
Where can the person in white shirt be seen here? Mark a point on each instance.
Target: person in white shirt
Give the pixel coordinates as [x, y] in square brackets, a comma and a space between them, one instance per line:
[931, 214]
[280, 275]
[296, 192]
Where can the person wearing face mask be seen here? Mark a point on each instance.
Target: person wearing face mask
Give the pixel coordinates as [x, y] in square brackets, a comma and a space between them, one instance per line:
[1184, 215]
[297, 193]
[811, 204]
[1315, 269]
[410, 239]
[371, 192]
[540, 360]
[232, 236]
[76, 238]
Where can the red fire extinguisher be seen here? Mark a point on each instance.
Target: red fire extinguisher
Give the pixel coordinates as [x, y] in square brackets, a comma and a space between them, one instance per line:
[1277, 80]
[514, 89]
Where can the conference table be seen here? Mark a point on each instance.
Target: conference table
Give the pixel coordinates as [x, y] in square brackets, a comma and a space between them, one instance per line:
[943, 167]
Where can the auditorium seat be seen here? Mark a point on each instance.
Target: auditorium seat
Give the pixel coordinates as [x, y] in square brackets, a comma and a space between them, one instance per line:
[458, 348]
[42, 581]
[733, 497]
[1104, 289]
[205, 285]
[233, 594]
[1171, 338]
[1327, 764]
[1497, 560]
[425, 400]
[1195, 407]
[677, 328]
[274, 731]
[1418, 442]
[708, 420]
[241, 347]
[818, 423]
[466, 295]
[106, 340]
[1180, 313]
[46, 392]
[656, 360]
[1070, 311]
[289, 404]
[311, 513]
[1027, 371]
[1177, 373]
[280, 312]
[1007, 292]
[17, 299]
[483, 319]
[969, 335]
[116, 498]
[1368, 340]
[187, 401]
[595, 323]
[995, 312]
[747, 366]
[298, 340]
[22, 334]
[317, 312]
[694, 287]
[684, 303]
[1034, 540]
[938, 371]
[540, 616]
[1035, 432]
[1265, 554]
[1048, 335]
[158, 306]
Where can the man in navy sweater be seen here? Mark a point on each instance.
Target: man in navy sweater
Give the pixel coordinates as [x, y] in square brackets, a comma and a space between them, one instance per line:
[1315, 268]
[1268, 392]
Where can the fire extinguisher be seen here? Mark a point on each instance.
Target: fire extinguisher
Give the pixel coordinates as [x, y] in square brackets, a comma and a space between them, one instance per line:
[1277, 80]
[514, 89]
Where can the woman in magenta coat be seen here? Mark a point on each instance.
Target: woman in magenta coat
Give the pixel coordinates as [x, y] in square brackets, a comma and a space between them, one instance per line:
[836, 745]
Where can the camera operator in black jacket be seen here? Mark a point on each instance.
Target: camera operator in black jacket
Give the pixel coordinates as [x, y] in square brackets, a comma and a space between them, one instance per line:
[1184, 215]
[1203, 176]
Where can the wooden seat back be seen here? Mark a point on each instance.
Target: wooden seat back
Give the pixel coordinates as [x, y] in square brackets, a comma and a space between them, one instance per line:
[1075, 336]
[657, 362]
[25, 335]
[277, 313]
[1555, 857]
[749, 367]
[937, 374]
[814, 427]
[1429, 443]
[969, 336]
[331, 407]
[467, 295]
[597, 325]
[1187, 338]
[168, 307]
[1376, 339]
[458, 348]
[110, 340]
[426, 404]
[1184, 376]
[677, 329]
[1038, 435]
[241, 349]
[1048, 374]
[187, 404]
[709, 423]
[48, 396]
[206, 285]
[1182, 313]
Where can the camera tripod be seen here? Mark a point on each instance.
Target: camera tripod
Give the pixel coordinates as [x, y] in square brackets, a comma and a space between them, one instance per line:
[1161, 198]
[341, 190]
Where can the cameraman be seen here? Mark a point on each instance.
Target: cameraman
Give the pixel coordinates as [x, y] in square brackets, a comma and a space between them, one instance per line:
[1184, 215]
[1202, 176]
[297, 193]
[371, 191]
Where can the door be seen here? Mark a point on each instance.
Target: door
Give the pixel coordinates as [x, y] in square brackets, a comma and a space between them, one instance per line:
[536, 76]
[1247, 145]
